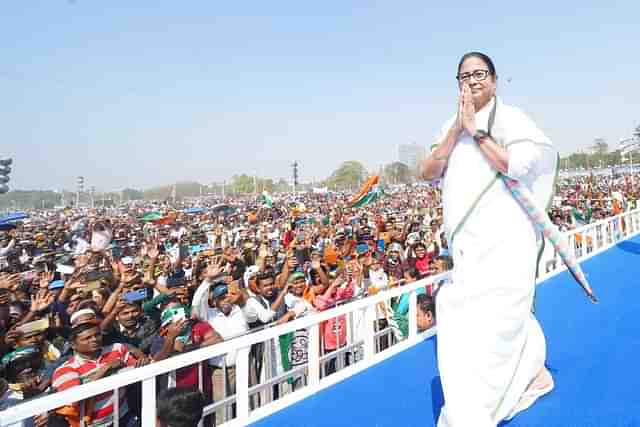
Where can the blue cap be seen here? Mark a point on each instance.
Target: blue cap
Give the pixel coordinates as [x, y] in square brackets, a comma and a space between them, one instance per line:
[362, 248]
[56, 284]
[219, 290]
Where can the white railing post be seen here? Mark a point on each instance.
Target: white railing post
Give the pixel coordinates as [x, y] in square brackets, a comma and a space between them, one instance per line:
[116, 407]
[148, 402]
[369, 332]
[313, 355]
[413, 314]
[242, 384]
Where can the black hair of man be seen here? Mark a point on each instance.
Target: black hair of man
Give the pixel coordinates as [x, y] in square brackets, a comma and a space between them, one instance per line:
[414, 273]
[266, 275]
[180, 407]
[448, 261]
[77, 330]
[426, 304]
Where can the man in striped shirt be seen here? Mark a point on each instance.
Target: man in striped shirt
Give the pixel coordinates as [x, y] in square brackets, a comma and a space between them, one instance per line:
[91, 361]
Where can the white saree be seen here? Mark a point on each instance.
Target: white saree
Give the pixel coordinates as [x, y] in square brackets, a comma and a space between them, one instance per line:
[490, 346]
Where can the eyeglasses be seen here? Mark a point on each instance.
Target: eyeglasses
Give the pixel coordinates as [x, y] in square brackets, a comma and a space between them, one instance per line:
[478, 75]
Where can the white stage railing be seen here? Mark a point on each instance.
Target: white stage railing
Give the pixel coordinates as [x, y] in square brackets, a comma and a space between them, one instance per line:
[368, 342]
[590, 240]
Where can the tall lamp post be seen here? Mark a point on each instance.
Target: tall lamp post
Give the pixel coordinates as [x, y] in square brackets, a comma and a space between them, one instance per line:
[80, 182]
[295, 176]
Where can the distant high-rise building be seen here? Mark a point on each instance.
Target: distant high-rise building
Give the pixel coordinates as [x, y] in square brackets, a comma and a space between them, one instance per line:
[411, 155]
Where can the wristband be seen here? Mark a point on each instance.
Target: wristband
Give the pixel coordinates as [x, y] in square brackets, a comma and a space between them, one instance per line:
[480, 136]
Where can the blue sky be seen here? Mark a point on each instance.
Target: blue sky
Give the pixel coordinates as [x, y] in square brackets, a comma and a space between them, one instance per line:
[151, 92]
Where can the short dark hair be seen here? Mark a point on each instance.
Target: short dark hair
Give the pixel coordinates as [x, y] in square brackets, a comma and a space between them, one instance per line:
[180, 407]
[448, 261]
[484, 58]
[414, 273]
[266, 275]
[77, 330]
[426, 304]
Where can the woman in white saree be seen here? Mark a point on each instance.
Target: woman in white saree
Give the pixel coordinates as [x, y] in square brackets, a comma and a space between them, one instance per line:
[491, 349]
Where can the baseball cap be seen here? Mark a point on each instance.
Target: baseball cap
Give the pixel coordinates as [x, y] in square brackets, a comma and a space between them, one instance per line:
[56, 284]
[362, 248]
[219, 290]
[295, 276]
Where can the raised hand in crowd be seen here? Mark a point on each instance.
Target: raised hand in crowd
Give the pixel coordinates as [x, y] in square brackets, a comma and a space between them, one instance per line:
[41, 301]
[9, 281]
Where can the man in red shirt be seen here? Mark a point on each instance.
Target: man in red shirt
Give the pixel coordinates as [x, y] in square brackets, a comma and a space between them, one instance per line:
[91, 361]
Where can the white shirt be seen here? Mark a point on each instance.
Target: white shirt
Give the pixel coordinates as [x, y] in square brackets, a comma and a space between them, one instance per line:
[254, 311]
[6, 249]
[299, 305]
[228, 327]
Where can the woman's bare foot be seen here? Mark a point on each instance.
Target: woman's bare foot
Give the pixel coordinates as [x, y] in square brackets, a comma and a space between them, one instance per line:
[541, 385]
[542, 381]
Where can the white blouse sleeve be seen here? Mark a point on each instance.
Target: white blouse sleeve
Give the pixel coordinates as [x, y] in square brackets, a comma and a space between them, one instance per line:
[523, 157]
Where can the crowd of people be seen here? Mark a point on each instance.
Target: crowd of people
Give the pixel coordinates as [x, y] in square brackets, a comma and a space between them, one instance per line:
[85, 293]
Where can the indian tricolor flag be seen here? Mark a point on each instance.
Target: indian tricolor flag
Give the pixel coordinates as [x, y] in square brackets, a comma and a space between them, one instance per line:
[369, 193]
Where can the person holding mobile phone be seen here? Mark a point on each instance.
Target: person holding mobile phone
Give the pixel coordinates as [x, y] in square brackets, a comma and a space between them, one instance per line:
[128, 324]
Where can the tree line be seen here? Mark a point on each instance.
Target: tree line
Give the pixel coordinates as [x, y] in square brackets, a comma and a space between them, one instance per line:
[349, 176]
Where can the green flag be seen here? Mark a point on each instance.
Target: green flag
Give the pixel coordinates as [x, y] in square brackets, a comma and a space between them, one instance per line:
[266, 199]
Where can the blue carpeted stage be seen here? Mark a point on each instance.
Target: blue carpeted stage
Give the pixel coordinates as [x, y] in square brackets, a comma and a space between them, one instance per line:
[593, 353]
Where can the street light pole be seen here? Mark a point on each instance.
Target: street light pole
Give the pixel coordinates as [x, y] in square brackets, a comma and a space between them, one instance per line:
[80, 188]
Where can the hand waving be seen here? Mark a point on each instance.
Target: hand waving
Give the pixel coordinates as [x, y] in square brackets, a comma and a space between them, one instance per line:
[153, 250]
[45, 279]
[41, 301]
[10, 281]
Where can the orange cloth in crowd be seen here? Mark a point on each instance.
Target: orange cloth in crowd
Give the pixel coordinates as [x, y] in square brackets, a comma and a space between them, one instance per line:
[578, 237]
[330, 255]
[617, 207]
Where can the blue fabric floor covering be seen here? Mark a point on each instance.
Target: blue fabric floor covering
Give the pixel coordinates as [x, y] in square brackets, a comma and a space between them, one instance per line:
[593, 352]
